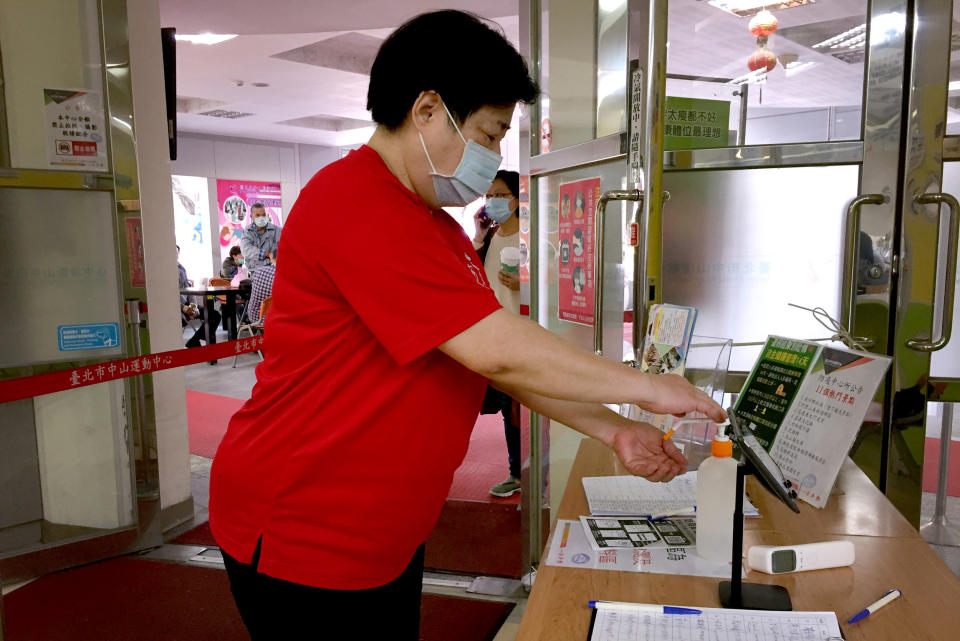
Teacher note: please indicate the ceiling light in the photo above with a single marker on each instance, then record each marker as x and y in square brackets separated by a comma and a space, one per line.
[849, 38]
[752, 78]
[794, 68]
[747, 8]
[953, 86]
[226, 113]
[609, 6]
[206, 38]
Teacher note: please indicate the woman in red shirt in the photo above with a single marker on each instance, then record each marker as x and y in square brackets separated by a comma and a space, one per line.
[379, 348]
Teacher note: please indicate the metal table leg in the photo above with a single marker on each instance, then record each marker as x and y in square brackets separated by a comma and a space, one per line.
[210, 331]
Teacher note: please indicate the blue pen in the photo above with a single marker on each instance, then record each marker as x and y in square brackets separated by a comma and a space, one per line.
[686, 511]
[873, 607]
[641, 607]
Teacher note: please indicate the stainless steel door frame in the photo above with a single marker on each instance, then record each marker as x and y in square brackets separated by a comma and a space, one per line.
[914, 294]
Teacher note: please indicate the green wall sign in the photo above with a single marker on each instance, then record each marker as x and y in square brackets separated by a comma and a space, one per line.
[693, 123]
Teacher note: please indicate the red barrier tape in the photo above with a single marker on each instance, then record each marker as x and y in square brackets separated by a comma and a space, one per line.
[28, 386]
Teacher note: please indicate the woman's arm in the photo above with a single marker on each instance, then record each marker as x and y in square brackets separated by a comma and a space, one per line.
[640, 446]
[517, 354]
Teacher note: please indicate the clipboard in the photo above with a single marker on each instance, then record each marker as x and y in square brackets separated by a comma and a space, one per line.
[760, 461]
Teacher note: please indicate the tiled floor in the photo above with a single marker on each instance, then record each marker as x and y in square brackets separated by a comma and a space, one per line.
[949, 554]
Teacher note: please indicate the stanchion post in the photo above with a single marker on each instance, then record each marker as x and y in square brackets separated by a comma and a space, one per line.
[940, 531]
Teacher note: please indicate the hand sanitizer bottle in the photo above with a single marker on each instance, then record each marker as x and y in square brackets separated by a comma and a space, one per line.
[716, 498]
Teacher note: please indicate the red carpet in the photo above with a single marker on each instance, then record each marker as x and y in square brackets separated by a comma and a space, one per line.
[207, 418]
[129, 598]
[931, 464]
[125, 598]
[476, 537]
[485, 464]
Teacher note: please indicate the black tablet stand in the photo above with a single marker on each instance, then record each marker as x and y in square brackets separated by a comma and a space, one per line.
[735, 593]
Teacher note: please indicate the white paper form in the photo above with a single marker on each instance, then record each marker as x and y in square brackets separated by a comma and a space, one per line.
[636, 496]
[715, 623]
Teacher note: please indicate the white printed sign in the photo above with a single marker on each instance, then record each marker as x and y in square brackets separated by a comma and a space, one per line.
[76, 132]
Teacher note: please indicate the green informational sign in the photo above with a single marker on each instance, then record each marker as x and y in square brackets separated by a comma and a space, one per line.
[772, 386]
[692, 123]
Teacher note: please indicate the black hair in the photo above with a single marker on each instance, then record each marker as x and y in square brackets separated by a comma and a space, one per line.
[511, 179]
[419, 56]
[234, 251]
[255, 205]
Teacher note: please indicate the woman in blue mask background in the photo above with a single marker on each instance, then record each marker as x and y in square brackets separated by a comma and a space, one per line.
[497, 226]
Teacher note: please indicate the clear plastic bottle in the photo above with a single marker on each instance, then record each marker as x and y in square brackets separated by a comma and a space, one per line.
[716, 496]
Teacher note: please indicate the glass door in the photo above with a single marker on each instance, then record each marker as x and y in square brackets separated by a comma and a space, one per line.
[77, 465]
[783, 156]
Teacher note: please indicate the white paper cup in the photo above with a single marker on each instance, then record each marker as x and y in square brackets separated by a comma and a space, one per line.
[510, 259]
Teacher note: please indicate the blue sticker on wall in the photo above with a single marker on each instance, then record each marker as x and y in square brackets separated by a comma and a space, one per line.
[93, 336]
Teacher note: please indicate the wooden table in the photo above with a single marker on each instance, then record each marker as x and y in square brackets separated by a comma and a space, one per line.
[889, 551]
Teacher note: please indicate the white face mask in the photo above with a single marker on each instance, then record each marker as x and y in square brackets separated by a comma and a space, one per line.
[260, 221]
[472, 177]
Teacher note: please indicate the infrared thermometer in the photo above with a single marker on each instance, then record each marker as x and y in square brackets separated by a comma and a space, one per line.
[772, 559]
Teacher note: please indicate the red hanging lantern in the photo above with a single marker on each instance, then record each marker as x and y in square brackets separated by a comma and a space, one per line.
[763, 24]
[762, 59]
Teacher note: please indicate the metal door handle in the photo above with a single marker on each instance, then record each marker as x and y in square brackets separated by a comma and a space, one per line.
[851, 257]
[946, 320]
[599, 254]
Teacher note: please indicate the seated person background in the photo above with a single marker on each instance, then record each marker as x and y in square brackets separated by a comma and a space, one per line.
[232, 264]
[262, 286]
[188, 313]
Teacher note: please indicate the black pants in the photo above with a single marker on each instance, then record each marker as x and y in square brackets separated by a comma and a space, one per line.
[496, 401]
[276, 609]
[200, 334]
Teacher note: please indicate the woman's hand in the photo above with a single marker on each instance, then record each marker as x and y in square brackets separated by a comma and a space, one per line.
[643, 451]
[672, 394]
[509, 280]
[482, 225]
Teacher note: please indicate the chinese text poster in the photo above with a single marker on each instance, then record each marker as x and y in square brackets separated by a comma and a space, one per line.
[575, 250]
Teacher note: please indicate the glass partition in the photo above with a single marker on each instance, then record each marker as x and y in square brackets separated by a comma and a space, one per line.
[60, 267]
[953, 98]
[51, 73]
[582, 71]
[800, 81]
[66, 467]
[562, 252]
[741, 244]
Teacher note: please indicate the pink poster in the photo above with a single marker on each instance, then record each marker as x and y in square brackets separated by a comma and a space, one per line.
[234, 200]
[575, 263]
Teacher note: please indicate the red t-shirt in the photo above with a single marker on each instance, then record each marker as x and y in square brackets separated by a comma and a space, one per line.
[343, 456]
